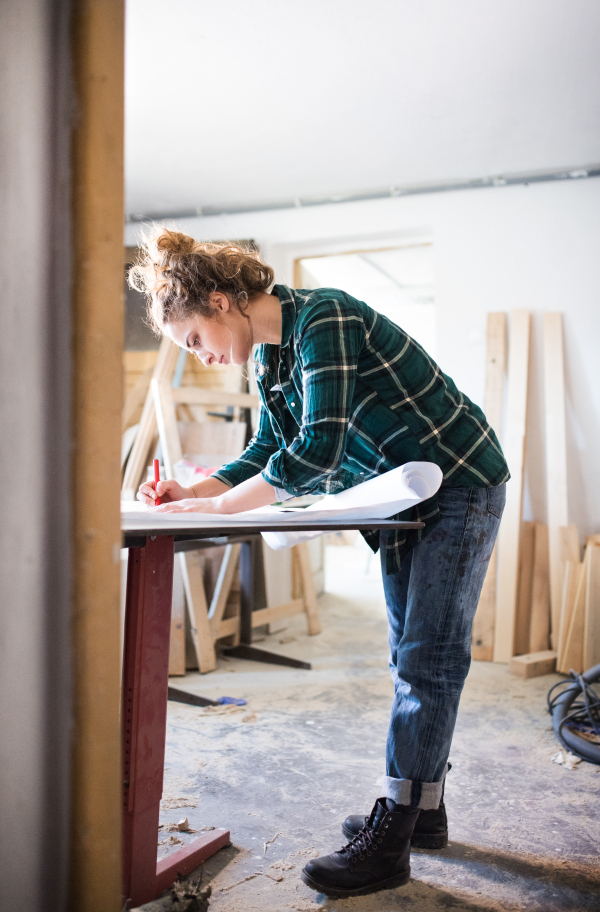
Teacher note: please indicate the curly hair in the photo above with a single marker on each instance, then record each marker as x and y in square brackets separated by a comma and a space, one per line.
[177, 274]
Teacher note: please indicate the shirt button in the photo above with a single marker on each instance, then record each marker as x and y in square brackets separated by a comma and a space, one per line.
[293, 403]
[362, 473]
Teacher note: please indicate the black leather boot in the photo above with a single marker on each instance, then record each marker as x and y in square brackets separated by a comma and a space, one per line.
[430, 832]
[378, 858]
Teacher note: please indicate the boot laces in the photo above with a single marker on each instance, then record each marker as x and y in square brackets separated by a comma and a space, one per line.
[364, 843]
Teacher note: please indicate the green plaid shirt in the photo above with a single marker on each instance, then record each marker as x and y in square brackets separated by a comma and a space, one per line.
[349, 395]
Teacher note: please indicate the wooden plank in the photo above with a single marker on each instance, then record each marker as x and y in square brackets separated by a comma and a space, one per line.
[94, 238]
[556, 457]
[193, 395]
[308, 588]
[166, 419]
[514, 449]
[136, 397]
[177, 639]
[138, 459]
[572, 657]
[269, 615]
[571, 581]
[195, 597]
[539, 631]
[591, 629]
[523, 619]
[227, 572]
[263, 616]
[533, 664]
[570, 556]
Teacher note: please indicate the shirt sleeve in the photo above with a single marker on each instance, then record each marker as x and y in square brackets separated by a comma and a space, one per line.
[256, 455]
[328, 348]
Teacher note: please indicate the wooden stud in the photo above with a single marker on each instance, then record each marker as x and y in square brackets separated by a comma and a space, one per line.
[225, 579]
[556, 457]
[97, 30]
[514, 448]
[572, 657]
[495, 370]
[591, 629]
[138, 459]
[136, 397]
[195, 598]
[570, 557]
[539, 631]
[193, 395]
[533, 664]
[523, 618]
[571, 581]
[308, 588]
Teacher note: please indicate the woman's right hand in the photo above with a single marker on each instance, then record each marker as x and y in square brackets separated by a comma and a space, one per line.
[168, 491]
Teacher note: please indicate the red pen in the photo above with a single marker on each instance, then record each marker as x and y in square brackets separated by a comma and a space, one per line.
[157, 502]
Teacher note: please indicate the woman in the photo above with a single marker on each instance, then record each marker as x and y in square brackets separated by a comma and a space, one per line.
[346, 395]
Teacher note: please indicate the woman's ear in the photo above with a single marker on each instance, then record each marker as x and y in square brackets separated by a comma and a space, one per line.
[219, 301]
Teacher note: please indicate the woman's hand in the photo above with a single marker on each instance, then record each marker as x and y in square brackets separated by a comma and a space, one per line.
[193, 505]
[170, 492]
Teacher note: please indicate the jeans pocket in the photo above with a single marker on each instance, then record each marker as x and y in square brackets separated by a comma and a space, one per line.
[496, 499]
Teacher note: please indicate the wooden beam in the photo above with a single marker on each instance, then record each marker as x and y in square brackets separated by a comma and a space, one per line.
[556, 457]
[514, 448]
[194, 395]
[177, 639]
[591, 628]
[523, 618]
[495, 369]
[571, 559]
[572, 657]
[97, 333]
[533, 664]
[146, 435]
[302, 555]
[539, 628]
[195, 597]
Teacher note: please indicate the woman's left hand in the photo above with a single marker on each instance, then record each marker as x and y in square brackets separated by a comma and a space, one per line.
[191, 505]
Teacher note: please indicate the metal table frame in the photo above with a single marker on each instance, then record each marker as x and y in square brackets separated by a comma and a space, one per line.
[145, 683]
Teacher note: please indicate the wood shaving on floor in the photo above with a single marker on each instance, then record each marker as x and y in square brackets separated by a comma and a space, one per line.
[269, 841]
[171, 803]
[566, 759]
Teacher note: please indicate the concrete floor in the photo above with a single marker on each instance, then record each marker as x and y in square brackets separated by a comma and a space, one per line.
[283, 772]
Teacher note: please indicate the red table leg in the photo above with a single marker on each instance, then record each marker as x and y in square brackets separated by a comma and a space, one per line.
[144, 723]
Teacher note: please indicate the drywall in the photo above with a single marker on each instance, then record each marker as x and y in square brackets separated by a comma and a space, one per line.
[35, 379]
[502, 248]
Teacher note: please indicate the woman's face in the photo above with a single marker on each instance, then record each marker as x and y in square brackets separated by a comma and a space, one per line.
[224, 338]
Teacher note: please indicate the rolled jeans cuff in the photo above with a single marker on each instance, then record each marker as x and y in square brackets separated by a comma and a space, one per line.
[423, 795]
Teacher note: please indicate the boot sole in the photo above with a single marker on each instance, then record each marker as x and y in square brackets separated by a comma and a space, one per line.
[335, 893]
[417, 841]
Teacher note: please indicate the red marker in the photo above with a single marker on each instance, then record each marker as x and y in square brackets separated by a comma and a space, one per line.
[158, 501]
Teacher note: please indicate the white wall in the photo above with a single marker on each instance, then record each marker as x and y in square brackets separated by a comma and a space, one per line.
[534, 247]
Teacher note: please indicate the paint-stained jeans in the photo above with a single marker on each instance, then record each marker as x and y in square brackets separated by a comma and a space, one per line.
[431, 603]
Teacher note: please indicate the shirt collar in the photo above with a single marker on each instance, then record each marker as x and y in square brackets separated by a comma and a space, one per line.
[288, 311]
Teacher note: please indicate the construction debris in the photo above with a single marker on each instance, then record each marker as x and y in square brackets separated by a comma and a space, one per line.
[566, 759]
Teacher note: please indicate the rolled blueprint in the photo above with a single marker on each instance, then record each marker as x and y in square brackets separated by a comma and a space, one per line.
[378, 498]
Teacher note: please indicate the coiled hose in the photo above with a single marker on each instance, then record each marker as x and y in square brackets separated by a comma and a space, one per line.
[575, 711]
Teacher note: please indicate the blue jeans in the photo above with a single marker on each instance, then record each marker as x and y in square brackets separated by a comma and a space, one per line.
[431, 603]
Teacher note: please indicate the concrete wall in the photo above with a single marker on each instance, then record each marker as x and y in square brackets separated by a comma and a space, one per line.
[35, 402]
[534, 247]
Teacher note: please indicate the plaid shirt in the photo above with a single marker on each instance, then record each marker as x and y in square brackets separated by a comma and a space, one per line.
[354, 397]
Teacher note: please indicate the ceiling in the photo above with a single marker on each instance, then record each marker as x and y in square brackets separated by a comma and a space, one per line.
[241, 104]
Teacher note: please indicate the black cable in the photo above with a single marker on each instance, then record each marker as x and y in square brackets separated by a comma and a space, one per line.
[575, 707]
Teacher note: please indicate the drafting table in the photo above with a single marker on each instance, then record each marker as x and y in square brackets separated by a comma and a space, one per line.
[146, 675]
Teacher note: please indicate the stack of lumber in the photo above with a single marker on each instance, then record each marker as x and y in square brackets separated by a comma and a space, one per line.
[540, 604]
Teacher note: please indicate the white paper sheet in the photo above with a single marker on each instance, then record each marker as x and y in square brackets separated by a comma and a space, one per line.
[377, 498]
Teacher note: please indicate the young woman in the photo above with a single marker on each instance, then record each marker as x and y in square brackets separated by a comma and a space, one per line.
[346, 395]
